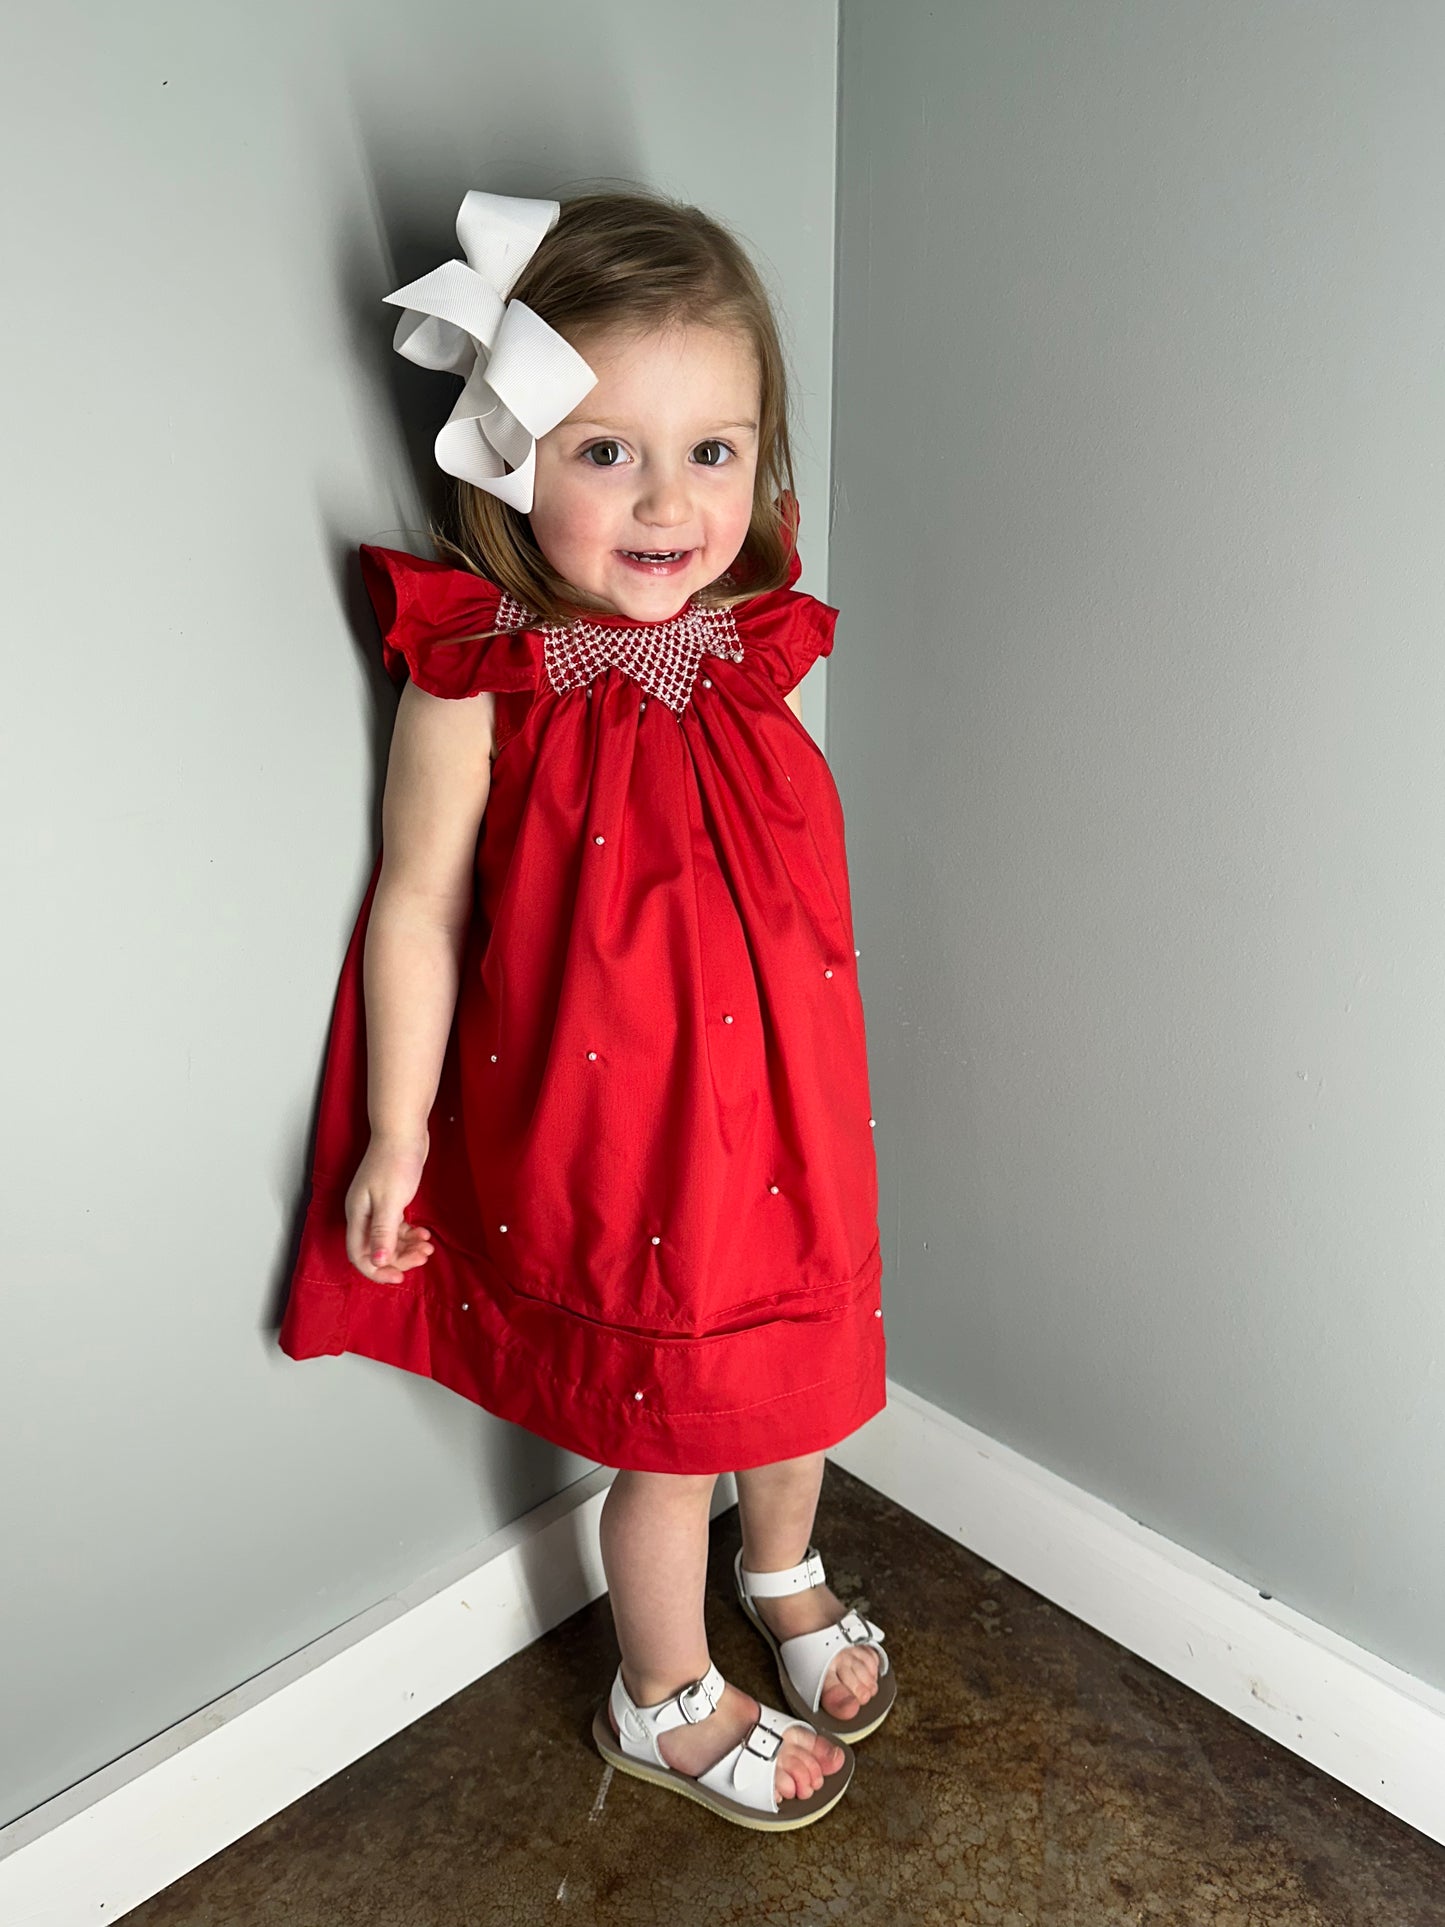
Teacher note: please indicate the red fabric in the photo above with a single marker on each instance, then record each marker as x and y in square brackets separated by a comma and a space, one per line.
[721, 889]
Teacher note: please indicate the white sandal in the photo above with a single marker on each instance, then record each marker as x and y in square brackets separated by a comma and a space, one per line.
[804, 1659]
[740, 1785]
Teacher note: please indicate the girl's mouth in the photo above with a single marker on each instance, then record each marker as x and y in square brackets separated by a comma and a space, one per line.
[656, 562]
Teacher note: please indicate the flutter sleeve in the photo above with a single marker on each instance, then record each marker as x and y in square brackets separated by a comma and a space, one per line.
[438, 627]
[785, 631]
[793, 642]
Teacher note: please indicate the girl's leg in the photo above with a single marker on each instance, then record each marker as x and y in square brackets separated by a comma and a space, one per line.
[654, 1534]
[777, 1505]
[654, 1539]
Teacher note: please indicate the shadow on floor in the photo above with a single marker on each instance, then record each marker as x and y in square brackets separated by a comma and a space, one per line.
[1032, 1774]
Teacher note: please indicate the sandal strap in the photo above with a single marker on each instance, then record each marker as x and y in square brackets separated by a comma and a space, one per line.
[639, 1726]
[772, 1585]
[748, 1772]
[806, 1657]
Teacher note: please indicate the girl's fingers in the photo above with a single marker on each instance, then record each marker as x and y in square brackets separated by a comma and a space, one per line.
[417, 1247]
[390, 1246]
[384, 1226]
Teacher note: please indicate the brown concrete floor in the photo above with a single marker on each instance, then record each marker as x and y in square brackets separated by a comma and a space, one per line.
[1032, 1774]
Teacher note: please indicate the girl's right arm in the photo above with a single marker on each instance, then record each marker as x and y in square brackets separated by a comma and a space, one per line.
[438, 778]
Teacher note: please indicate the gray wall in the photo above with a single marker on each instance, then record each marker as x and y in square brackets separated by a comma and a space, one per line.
[1136, 710]
[205, 207]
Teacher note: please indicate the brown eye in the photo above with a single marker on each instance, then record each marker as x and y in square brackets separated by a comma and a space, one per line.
[714, 464]
[592, 450]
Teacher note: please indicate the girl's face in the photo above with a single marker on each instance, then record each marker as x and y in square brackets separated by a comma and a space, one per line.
[660, 455]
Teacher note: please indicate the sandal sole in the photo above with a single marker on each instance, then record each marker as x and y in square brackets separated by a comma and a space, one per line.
[869, 1717]
[791, 1814]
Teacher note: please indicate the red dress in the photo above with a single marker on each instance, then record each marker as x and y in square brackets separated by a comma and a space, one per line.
[651, 1181]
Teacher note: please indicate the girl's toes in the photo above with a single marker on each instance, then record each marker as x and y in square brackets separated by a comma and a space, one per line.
[798, 1773]
[853, 1684]
[840, 1700]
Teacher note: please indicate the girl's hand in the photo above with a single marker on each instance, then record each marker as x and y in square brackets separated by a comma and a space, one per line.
[380, 1242]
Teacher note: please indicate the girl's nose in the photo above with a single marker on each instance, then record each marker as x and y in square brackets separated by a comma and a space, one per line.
[662, 503]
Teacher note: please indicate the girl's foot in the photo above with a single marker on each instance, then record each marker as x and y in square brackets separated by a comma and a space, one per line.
[803, 1759]
[852, 1676]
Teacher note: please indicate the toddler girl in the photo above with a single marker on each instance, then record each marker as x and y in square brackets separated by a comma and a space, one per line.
[595, 1145]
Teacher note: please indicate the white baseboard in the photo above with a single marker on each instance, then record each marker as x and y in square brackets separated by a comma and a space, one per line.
[1355, 1716]
[137, 1826]
[129, 1831]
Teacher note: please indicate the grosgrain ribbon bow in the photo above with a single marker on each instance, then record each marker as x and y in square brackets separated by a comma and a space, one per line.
[521, 377]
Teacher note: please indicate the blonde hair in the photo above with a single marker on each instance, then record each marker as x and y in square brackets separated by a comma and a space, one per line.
[637, 262]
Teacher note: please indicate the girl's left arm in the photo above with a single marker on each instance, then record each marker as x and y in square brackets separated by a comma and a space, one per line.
[794, 700]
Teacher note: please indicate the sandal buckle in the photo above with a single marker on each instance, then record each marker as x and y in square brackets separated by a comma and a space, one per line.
[694, 1701]
[774, 1741]
[854, 1629]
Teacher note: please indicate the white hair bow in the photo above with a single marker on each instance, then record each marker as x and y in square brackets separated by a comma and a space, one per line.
[521, 377]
